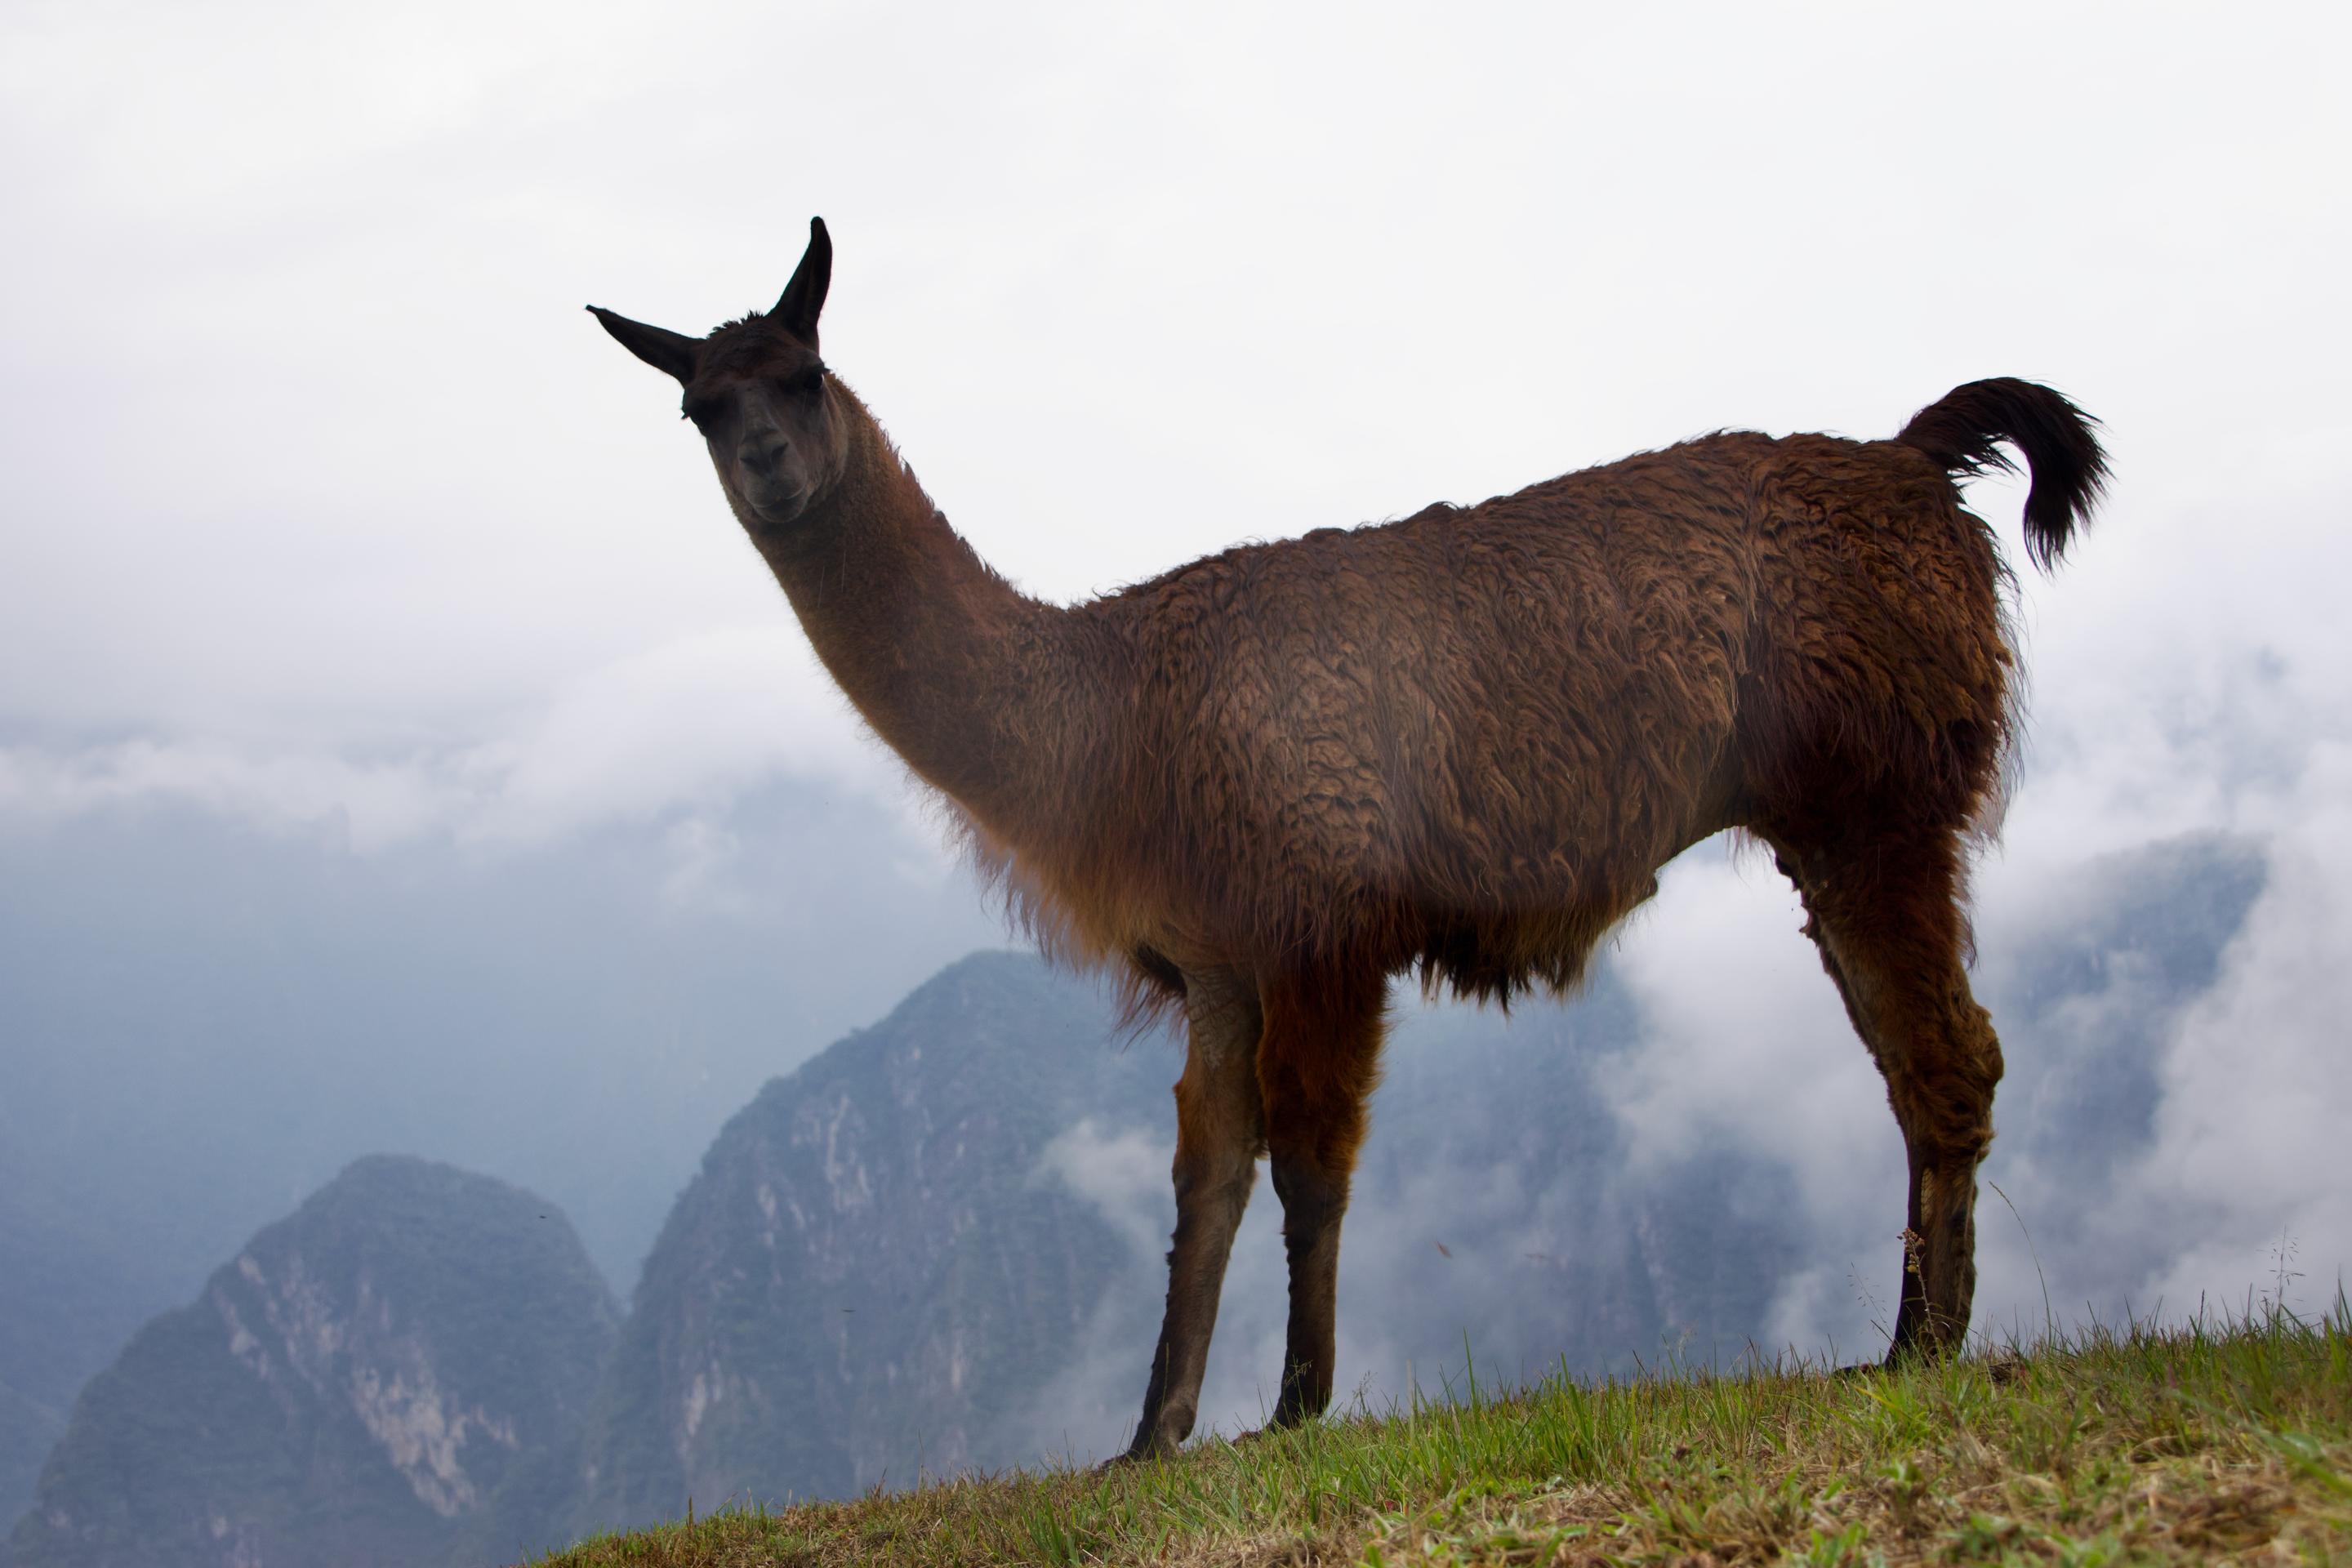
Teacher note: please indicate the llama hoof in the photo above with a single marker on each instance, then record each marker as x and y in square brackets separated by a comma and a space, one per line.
[1136, 1454]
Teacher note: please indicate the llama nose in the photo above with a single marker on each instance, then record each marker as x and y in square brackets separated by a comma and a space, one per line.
[760, 453]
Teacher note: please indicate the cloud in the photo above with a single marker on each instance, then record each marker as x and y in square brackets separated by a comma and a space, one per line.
[2257, 1079]
[356, 466]
[1086, 1410]
[691, 723]
[684, 728]
[1122, 1173]
[1743, 1037]
[371, 804]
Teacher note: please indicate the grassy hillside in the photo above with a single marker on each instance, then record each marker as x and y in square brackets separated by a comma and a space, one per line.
[2196, 1445]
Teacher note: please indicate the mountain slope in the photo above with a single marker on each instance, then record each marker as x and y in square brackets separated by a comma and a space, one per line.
[868, 1269]
[388, 1376]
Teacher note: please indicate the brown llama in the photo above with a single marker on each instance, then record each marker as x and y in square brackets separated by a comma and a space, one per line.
[1260, 786]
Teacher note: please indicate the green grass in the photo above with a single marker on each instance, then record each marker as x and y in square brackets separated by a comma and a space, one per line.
[2211, 1443]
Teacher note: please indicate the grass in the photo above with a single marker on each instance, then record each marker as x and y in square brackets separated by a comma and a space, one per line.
[2212, 1443]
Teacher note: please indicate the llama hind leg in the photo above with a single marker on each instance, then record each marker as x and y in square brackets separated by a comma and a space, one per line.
[1220, 1132]
[1891, 933]
[1316, 1070]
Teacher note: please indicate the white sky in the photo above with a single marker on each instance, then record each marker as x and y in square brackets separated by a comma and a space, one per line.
[319, 492]
[309, 443]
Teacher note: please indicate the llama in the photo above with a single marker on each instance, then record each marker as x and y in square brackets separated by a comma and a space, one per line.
[1259, 786]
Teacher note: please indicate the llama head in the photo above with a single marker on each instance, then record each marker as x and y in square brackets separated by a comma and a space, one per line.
[756, 389]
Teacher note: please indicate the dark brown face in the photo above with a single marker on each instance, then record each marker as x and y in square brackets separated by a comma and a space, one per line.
[759, 394]
[766, 415]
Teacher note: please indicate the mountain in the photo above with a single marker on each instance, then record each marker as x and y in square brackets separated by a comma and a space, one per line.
[869, 1270]
[395, 1374]
[209, 1012]
[937, 1246]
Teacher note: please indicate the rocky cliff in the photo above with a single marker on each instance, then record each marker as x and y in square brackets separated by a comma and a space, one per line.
[395, 1374]
[872, 1267]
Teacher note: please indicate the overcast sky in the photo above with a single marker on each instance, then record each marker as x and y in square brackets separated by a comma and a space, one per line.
[326, 504]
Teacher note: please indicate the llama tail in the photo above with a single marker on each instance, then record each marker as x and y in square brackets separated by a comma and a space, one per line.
[1963, 431]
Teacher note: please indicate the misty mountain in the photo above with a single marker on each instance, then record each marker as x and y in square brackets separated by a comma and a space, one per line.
[937, 1245]
[1497, 1138]
[204, 1018]
[236, 1011]
[2086, 996]
[872, 1267]
[2133, 936]
[395, 1374]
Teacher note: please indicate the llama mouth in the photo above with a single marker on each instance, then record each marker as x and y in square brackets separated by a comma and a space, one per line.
[781, 502]
[781, 509]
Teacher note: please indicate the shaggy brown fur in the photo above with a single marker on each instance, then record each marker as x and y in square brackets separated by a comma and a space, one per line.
[1462, 744]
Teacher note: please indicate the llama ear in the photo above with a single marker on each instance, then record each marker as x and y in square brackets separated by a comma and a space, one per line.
[803, 297]
[665, 351]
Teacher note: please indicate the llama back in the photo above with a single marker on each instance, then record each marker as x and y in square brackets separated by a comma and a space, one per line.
[1472, 734]
[1476, 718]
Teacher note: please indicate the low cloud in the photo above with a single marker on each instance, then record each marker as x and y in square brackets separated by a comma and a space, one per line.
[691, 722]
[371, 804]
[1122, 1172]
[2257, 1080]
[682, 730]
[1743, 1035]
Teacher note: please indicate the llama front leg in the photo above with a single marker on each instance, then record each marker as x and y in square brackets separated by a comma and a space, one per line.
[1317, 1071]
[1220, 1132]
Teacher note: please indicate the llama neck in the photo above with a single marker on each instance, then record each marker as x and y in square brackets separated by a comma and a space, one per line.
[979, 688]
